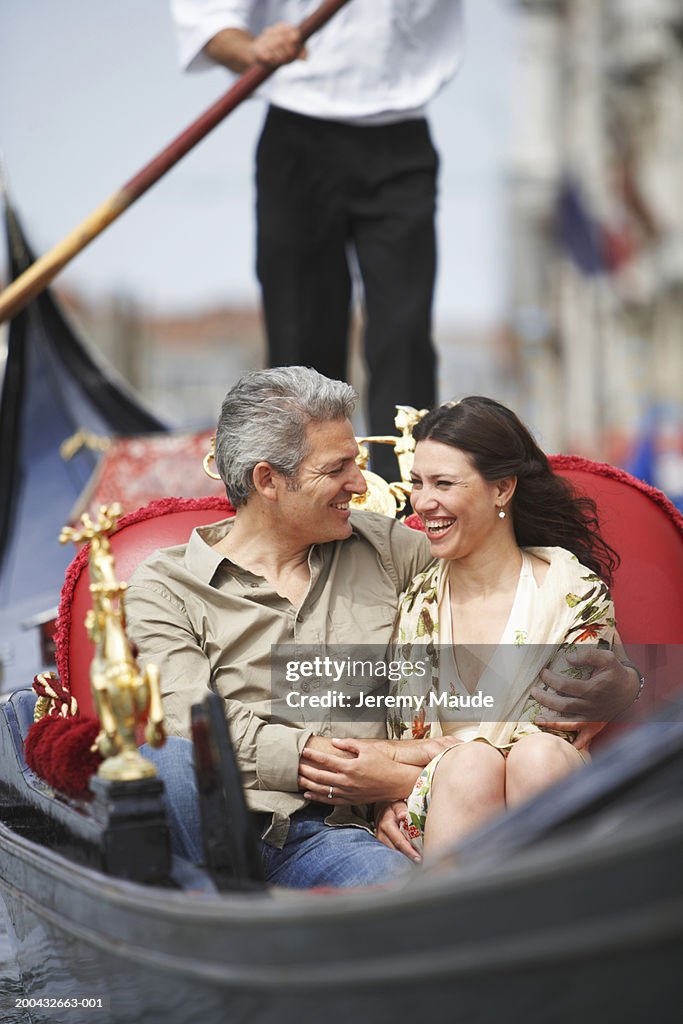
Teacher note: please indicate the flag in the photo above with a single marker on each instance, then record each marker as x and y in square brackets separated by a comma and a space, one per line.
[580, 234]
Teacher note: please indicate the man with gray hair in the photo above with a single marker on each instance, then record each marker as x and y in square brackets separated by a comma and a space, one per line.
[294, 566]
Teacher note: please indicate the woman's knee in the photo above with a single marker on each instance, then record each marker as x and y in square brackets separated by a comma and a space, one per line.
[472, 767]
[538, 760]
[542, 748]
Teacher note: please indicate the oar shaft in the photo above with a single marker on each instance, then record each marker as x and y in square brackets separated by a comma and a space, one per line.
[39, 274]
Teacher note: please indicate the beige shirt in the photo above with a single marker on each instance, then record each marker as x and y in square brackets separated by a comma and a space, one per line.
[209, 624]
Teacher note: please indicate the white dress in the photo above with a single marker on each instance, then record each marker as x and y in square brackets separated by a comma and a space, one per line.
[571, 606]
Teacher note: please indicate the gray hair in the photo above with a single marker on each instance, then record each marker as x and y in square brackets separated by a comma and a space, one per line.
[264, 418]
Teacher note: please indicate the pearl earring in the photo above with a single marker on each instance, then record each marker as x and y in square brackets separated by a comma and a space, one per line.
[501, 513]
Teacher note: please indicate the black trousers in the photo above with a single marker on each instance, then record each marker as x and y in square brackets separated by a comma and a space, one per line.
[325, 189]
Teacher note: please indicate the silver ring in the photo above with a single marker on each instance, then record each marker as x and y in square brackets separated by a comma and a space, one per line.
[330, 793]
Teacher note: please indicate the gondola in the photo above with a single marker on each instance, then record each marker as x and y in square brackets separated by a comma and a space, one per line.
[575, 898]
[575, 901]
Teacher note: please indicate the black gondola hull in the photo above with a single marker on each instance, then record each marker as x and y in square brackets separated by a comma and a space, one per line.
[587, 919]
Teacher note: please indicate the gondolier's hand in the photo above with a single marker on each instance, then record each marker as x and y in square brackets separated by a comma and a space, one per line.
[278, 44]
[388, 817]
[240, 51]
[585, 706]
[353, 772]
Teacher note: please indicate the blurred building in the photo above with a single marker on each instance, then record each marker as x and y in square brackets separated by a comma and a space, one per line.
[182, 364]
[597, 221]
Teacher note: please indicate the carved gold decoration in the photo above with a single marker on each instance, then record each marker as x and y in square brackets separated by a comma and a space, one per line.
[124, 698]
[83, 439]
[379, 496]
[389, 498]
[208, 459]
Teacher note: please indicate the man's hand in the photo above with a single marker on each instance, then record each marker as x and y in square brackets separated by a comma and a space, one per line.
[356, 772]
[278, 44]
[388, 817]
[585, 706]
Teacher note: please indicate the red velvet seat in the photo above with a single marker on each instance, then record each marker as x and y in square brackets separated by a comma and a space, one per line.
[639, 522]
[646, 530]
[158, 525]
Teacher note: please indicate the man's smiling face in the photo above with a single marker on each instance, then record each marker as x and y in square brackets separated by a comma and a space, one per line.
[315, 504]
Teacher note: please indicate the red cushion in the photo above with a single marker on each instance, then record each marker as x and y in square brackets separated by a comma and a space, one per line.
[646, 531]
[159, 524]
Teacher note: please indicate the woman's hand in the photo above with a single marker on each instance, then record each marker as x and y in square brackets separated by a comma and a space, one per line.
[388, 818]
[363, 772]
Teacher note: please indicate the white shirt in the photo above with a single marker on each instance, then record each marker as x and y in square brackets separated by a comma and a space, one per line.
[374, 62]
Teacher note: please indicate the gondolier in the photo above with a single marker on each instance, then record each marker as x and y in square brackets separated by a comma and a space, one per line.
[345, 160]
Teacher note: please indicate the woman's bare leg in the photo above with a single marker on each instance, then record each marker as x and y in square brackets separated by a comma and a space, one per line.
[535, 762]
[468, 788]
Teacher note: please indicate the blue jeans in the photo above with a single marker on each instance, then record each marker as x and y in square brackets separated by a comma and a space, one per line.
[175, 765]
[315, 854]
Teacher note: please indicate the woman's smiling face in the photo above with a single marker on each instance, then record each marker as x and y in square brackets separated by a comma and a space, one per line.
[459, 509]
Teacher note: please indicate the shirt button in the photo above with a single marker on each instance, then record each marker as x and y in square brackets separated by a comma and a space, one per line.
[299, 617]
[254, 584]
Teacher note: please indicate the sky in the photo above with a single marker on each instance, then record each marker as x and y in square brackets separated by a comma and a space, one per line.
[90, 91]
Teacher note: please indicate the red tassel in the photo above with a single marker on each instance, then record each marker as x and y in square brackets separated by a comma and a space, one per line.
[58, 750]
[39, 745]
[33, 742]
[73, 760]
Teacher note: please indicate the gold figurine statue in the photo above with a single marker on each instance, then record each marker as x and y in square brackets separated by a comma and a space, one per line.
[124, 697]
[390, 498]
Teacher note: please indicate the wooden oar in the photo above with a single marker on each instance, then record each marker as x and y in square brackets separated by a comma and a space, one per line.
[40, 273]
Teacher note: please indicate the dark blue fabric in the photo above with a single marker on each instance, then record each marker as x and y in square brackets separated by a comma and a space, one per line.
[579, 234]
[52, 386]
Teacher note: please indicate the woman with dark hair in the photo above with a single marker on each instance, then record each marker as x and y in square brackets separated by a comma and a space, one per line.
[520, 578]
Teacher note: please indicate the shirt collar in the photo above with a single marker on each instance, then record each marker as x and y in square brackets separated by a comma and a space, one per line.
[202, 559]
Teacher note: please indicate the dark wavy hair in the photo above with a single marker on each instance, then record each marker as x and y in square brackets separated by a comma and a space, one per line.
[546, 510]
